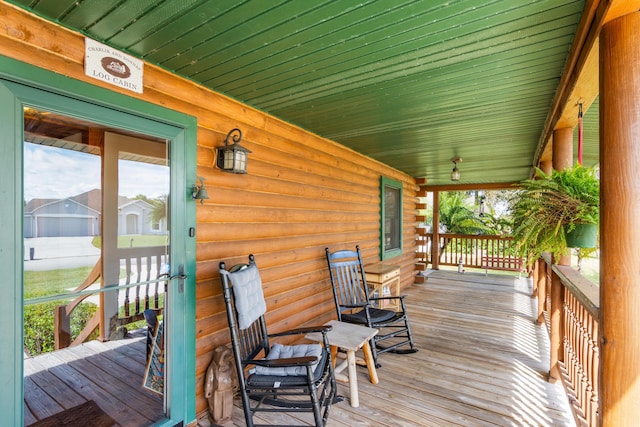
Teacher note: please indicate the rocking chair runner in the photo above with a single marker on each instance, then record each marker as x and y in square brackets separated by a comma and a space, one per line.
[296, 378]
[354, 305]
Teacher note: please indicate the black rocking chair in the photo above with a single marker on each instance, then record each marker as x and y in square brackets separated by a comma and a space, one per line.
[354, 305]
[274, 378]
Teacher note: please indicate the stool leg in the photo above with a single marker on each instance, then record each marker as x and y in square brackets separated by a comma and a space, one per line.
[371, 365]
[353, 378]
[334, 355]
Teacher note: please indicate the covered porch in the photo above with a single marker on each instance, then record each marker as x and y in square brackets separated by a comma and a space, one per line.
[326, 127]
[483, 360]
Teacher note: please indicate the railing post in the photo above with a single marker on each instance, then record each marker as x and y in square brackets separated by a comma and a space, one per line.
[542, 289]
[534, 276]
[557, 327]
[61, 327]
[435, 230]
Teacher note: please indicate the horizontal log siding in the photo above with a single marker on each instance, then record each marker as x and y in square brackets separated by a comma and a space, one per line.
[301, 193]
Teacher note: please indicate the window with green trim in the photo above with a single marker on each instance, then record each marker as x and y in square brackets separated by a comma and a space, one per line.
[390, 218]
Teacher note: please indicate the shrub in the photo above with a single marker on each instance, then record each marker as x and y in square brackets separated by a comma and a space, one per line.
[39, 328]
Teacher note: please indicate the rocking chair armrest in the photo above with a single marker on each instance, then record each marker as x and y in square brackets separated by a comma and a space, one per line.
[283, 363]
[303, 331]
[390, 297]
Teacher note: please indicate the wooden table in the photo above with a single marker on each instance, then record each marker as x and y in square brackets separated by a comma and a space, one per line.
[350, 338]
[384, 280]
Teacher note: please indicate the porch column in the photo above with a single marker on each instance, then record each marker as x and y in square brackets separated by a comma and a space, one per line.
[562, 148]
[541, 289]
[562, 158]
[546, 166]
[435, 232]
[619, 221]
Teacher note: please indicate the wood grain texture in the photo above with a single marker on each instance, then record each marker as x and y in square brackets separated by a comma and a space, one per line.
[619, 231]
[109, 373]
[302, 192]
[482, 361]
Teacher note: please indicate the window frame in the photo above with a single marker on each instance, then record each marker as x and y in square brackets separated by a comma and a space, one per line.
[385, 185]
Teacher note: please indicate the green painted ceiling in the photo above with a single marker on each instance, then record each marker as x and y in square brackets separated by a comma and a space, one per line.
[410, 83]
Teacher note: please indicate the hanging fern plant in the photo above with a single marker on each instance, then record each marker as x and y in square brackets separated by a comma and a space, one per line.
[544, 209]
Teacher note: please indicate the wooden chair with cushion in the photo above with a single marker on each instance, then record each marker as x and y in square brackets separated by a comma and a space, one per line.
[274, 377]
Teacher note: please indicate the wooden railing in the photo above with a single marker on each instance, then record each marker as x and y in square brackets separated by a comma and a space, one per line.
[568, 304]
[475, 251]
[138, 265]
[142, 265]
[575, 334]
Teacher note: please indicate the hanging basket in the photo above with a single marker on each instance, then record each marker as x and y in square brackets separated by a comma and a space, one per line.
[582, 236]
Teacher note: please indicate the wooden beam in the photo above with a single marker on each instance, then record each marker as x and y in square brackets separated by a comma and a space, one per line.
[467, 187]
[579, 82]
[583, 42]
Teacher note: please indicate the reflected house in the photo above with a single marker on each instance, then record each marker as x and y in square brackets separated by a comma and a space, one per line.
[80, 216]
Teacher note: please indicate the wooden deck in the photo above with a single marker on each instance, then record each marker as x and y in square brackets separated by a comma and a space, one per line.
[482, 362]
[108, 373]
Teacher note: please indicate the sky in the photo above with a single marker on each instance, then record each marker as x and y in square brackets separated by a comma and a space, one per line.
[55, 173]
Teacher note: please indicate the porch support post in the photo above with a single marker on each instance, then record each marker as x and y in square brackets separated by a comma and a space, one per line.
[541, 289]
[557, 327]
[546, 166]
[435, 232]
[562, 148]
[619, 221]
[534, 274]
[562, 159]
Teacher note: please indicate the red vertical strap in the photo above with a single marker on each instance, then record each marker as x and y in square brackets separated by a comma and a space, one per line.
[580, 135]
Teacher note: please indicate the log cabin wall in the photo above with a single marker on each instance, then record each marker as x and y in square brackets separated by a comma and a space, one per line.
[301, 193]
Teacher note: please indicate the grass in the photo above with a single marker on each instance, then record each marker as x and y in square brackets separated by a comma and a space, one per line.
[51, 282]
[135, 241]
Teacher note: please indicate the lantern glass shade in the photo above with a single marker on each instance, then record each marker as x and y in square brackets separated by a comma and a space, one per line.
[233, 158]
[455, 174]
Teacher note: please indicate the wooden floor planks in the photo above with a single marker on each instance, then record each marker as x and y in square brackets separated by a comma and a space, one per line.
[109, 373]
[482, 362]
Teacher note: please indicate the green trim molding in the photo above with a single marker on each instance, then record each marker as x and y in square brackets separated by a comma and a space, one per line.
[23, 84]
[391, 230]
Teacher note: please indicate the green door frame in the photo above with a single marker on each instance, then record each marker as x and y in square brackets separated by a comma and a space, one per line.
[22, 84]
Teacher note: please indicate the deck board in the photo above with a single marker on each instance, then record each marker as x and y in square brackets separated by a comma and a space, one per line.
[482, 361]
[109, 373]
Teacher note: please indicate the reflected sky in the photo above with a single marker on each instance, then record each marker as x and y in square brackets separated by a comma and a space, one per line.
[54, 173]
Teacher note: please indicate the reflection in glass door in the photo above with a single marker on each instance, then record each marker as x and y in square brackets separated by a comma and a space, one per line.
[96, 244]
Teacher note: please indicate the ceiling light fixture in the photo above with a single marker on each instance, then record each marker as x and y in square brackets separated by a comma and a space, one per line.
[455, 173]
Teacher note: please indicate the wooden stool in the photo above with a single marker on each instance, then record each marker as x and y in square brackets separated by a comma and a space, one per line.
[350, 338]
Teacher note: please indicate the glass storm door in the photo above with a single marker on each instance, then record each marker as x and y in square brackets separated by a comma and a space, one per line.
[96, 239]
[93, 193]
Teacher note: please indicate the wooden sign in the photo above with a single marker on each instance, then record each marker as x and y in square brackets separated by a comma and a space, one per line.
[112, 66]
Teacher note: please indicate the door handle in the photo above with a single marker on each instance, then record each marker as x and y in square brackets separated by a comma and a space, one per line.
[181, 276]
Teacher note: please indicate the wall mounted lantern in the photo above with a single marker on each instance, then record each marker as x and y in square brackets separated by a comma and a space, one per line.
[198, 192]
[233, 158]
[455, 173]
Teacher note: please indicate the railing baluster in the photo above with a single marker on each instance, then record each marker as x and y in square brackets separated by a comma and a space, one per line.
[581, 337]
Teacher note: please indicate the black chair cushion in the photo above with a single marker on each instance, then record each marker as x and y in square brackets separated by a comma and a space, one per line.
[262, 381]
[377, 316]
